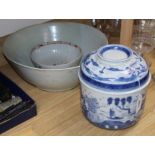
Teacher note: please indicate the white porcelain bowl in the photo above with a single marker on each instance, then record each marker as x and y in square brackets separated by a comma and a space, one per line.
[19, 45]
[56, 55]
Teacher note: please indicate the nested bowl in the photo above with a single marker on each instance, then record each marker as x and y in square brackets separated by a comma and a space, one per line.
[56, 55]
[19, 45]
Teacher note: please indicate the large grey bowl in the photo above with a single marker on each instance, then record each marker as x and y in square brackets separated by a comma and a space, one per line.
[19, 45]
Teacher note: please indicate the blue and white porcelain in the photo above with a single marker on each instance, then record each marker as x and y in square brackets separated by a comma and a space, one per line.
[114, 81]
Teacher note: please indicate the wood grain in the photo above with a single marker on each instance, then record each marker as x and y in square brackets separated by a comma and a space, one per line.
[126, 32]
[60, 113]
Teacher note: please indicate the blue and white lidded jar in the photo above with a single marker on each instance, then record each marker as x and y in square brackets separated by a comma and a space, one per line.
[113, 86]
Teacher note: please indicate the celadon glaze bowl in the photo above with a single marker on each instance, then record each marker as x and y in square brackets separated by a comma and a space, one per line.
[114, 81]
[56, 55]
[19, 45]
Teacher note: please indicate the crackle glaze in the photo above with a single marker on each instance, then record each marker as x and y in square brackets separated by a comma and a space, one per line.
[113, 86]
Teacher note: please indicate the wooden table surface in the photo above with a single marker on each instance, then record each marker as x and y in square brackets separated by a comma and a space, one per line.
[60, 113]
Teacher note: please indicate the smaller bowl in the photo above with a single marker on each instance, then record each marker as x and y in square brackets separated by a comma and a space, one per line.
[56, 55]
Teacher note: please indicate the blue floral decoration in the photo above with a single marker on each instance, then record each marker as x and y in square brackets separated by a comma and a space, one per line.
[91, 104]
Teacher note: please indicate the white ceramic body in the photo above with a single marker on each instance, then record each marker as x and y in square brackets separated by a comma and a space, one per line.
[18, 46]
[112, 110]
[45, 79]
[56, 55]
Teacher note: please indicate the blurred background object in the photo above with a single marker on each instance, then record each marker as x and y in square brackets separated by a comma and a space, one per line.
[143, 37]
[111, 27]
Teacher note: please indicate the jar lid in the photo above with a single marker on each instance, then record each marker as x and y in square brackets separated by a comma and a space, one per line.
[114, 67]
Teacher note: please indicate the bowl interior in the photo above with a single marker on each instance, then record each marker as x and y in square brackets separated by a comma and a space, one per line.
[18, 46]
[56, 55]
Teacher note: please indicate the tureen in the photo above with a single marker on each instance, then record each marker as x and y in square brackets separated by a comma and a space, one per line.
[113, 86]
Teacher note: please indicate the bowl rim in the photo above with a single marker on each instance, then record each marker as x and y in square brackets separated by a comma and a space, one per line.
[49, 23]
[62, 66]
[114, 92]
